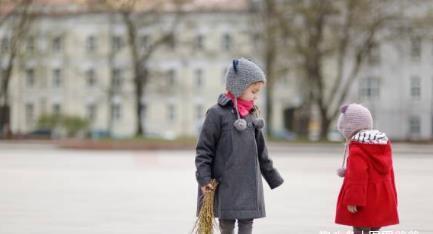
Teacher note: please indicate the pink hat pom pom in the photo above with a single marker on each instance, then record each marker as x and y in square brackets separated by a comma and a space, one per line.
[341, 172]
[343, 108]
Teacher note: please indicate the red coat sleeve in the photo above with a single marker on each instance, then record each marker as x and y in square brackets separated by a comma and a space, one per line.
[393, 185]
[389, 151]
[356, 179]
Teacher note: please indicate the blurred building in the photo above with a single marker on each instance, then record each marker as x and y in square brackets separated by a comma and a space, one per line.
[78, 63]
[397, 86]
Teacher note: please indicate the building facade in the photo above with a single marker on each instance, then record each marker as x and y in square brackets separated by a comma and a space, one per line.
[79, 64]
[398, 87]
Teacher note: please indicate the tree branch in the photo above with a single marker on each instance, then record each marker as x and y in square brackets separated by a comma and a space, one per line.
[361, 53]
[342, 50]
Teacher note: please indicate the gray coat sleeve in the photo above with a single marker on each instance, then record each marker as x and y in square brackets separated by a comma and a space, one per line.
[206, 147]
[271, 175]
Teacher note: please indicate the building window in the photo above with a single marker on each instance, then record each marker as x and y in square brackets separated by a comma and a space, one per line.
[172, 42]
[199, 78]
[90, 77]
[199, 43]
[30, 44]
[374, 55]
[91, 43]
[171, 77]
[57, 109]
[116, 111]
[431, 126]
[29, 110]
[414, 125]
[171, 110]
[116, 43]
[30, 77]
[416, 45]
[57, 44]
[116, 75]
[91, 112]
[57, 78]
[255, 38]
[199, 110]
[43, 105]
[227, 41]
[4, 44]
[370, 87]
[144, 41]
[415, 87]
[144, 111]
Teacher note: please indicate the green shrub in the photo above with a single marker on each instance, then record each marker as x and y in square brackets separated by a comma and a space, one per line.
[69, 124]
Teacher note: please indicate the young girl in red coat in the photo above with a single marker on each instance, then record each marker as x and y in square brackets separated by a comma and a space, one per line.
[368, 197]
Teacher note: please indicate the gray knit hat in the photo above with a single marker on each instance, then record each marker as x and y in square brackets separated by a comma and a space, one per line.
[242, 73]
[354, 117]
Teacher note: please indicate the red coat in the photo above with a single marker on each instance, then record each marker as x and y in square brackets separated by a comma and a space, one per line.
[368, 184]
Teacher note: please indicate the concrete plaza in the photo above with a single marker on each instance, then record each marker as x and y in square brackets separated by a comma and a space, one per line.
[52, 191]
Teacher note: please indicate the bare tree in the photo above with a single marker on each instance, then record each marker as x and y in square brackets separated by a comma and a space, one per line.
[337, 32]
[270, 55]
[266, 34]
[135, 15]
[17, 21]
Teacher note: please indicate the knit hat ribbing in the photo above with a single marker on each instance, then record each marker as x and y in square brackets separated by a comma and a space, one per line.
[354, 117]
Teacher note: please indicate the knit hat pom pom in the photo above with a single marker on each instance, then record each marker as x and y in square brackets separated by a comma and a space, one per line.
[240, 124]
[343, 109]
[259, 123]
[341, 172]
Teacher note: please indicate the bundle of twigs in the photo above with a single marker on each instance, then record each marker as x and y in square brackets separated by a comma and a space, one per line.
[205, 223]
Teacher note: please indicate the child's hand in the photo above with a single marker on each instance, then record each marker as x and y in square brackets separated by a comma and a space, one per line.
[207, 188]
[352, 209]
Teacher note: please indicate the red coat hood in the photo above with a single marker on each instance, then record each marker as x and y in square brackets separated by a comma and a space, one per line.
[379, 156]
[377, 147]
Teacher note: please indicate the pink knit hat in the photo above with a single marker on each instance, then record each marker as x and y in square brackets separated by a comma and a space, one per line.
[353, 117]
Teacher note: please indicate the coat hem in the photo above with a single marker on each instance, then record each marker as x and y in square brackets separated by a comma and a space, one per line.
[237, 214]
[367, 224]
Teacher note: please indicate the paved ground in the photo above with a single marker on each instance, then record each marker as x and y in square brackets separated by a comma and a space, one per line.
[50, 191]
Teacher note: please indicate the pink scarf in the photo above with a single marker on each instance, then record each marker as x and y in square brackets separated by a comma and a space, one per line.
[244, 107]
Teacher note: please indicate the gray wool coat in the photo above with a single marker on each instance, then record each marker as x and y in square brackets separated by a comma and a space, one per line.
[237, 160]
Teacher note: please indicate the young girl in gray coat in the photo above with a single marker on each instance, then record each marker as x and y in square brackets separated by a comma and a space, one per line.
[231, 148]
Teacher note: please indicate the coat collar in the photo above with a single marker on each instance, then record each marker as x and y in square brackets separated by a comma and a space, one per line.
[223, 100]
[371, 137]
